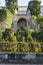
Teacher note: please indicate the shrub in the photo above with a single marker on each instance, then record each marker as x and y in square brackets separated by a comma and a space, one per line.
[29, 36]
[8, 35]
[0, 36]
[8, 46]
[38, 36]
[37, 47]
[25, 47]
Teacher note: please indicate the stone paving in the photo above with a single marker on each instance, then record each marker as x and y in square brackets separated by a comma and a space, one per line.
[21, 64]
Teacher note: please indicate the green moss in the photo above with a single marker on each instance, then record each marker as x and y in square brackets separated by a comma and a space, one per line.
[9, 18]
[6, 18]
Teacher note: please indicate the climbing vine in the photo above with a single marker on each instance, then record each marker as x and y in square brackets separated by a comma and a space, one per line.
[11, 6]
[3, 15]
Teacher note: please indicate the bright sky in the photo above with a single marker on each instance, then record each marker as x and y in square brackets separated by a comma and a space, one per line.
[25, 2]
[2, 2]
[20, 2]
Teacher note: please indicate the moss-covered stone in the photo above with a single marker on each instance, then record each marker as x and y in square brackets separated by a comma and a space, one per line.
[6, 23]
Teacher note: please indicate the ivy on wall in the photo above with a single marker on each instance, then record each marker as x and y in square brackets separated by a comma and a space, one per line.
[3, 15]
[7, 13]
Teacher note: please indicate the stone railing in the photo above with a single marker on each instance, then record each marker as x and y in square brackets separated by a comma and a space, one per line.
[21, 51]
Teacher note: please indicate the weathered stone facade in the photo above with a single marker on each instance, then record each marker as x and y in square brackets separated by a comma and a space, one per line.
[41, 10]
[22, 18]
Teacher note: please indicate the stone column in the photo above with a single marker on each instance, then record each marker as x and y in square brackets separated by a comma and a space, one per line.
[14, 22]
[28, 25]
[15, 25]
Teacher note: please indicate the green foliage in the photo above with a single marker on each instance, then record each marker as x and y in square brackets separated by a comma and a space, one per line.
[31, 45]
[8, 19]
[11, 5]
[6, 13]
[29, 36]
[21, 47]
[19, 37]
[34, 7]
[26, 34]
[8, 47]
[40, 21]
[38, 36]
[3, 15]
[37, 47]
[34, 17]
[20, 34]
[25, 47]
[0, 36]
[8, 41]
[8, 35]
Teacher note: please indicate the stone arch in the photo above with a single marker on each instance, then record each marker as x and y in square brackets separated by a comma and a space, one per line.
[22, 23]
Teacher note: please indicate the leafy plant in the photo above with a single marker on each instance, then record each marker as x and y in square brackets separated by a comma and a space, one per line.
[3, 15]
[40, 21]
[38, 36]
[34, 7]
[29, 36]
[8, 35]
[25, 47]
[37, 47]
[11, 5]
